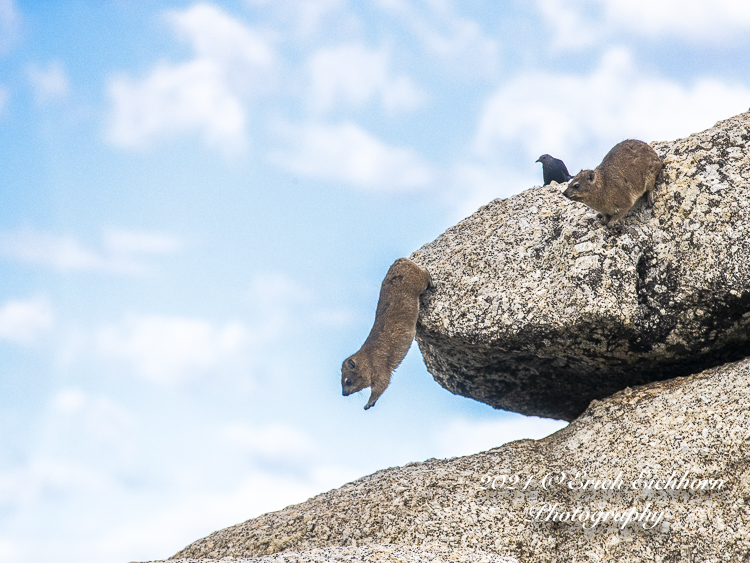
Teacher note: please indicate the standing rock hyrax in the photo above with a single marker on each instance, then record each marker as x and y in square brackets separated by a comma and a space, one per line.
[627, 172]
[391, 335]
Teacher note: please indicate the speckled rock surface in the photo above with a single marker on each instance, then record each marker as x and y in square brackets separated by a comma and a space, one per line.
[693, 430]
[374, 553]
[539, 308]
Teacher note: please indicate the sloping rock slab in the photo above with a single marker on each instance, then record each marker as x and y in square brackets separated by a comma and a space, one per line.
[374, 553]
[539, 308]
[687, 438]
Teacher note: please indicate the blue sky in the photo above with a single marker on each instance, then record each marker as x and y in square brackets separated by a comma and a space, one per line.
[200, 199]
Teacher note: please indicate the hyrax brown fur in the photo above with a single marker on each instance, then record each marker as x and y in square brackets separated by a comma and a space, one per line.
[627, 172]
[391, 335]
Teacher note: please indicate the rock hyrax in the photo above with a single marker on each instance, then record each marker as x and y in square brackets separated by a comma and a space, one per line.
[627, 172]
[391, 335]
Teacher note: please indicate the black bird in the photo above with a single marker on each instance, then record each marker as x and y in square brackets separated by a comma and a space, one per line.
[553, 169]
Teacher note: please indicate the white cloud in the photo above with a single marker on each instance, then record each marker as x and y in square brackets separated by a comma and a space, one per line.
[41, 480]
[121, 251]
[173, 349]
[464, 437]
[10, 24]
[168, 350]
[353, 76]
[458, 42]
[216, 35]
[90, 428]
[580, 23]
[558, 113]
[476, 184]
[308, 19]
[272, 441]
[121, 241]
[24, 321]
[70, 495]
[99, 418]
[173, 101]
[152, 519]
[11, 551]
[278, 302]
[50, 82]
[180, 516]
[272, 289]
[281, 305]
[207, 95]
[59, 252]
[349, 154]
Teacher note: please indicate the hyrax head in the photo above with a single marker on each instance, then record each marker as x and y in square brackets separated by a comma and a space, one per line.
[354, 375]
[582, 186]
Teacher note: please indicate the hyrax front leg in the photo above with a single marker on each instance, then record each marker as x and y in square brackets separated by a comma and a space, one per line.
[377, 388]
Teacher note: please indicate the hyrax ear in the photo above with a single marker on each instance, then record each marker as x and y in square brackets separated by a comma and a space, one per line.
[350, 364]
[591, 175]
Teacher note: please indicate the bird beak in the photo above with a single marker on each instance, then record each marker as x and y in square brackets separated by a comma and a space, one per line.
[537, 160]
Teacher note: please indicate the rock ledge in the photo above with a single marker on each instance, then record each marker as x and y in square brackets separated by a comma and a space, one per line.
[539, 308]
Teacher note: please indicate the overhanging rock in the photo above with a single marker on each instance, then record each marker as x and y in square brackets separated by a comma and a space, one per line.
[538, 308]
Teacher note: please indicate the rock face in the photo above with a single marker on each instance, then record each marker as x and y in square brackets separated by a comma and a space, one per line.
[673, 455]
[539, 308]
